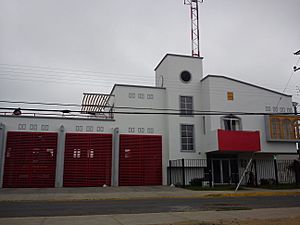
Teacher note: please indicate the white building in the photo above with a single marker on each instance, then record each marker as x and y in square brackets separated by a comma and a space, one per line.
[183, 116]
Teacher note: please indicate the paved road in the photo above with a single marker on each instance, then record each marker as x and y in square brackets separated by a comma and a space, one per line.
[106, 207]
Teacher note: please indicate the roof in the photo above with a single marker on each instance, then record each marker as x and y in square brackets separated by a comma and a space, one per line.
[242, 82]
[136, 86]
[176, 55]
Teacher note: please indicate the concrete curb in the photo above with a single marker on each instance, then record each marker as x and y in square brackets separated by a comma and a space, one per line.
[137, 196]
[178, 218]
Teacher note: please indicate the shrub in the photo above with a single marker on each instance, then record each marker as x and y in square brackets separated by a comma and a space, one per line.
[269, 181]
[197, 181]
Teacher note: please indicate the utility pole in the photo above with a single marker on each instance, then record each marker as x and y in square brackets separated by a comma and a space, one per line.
[195, 31]
[295, 105]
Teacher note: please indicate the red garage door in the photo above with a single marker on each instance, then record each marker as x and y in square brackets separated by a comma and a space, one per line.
[30, 159]
[87, 160]
[140, 160]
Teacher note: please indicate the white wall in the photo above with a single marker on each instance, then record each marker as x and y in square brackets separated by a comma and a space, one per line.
[247, 98]
[170, 69]
[34, 124]
[142, 99]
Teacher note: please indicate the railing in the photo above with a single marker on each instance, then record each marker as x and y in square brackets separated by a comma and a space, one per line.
[261, 172]
[182, 171]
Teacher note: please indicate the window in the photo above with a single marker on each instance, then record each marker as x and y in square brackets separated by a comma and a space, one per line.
[287, 128]
[231, 123]
[186, 105]
[187, 137]
[185, 76]
[283, 128]
[275, 128]
[229, 95]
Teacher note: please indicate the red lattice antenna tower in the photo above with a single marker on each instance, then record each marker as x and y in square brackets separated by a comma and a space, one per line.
[194, 26]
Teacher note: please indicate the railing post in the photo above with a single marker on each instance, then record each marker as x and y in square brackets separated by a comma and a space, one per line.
[211, 174]
[297, 171]
[255, 172]
[183, 173]
[170, 172]
[276, 170]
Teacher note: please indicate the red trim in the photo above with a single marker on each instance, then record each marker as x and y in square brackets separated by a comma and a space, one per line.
[242, 141]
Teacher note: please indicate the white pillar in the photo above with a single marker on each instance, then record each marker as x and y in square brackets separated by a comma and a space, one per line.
[60, 155]
[115, 158]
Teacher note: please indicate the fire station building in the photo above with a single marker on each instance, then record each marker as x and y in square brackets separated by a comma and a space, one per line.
[128, 136]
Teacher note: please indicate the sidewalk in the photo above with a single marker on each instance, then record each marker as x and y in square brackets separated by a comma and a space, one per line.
[119, 193]
[182, 218]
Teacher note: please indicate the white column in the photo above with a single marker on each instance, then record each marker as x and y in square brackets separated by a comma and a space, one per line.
[60, 155]
[115, 158]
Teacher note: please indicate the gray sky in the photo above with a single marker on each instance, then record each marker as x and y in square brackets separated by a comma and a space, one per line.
[54, 50]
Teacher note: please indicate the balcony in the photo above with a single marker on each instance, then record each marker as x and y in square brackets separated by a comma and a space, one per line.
[242, 141]
[234, 141]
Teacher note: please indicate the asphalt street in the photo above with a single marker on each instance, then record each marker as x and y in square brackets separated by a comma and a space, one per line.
[107, 207]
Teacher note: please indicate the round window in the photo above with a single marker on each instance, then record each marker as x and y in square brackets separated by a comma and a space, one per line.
[185, 76]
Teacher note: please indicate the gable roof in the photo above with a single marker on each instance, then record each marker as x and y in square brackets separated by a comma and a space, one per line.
[245, 83]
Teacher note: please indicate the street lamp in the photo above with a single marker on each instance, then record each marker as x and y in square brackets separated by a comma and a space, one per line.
[295, 67]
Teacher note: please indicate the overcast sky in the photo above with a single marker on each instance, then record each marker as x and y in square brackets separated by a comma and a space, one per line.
[54, 50]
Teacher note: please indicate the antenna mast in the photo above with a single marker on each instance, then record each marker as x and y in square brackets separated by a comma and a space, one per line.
[194, 26]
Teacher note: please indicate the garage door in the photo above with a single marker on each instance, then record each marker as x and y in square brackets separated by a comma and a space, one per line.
[30, 159]
[140, 160]
[87, 160]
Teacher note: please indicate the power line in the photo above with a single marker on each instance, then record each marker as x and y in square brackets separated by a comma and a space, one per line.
[71, 75]
[211, 113]
[292, 73]
[100, 106]
[68, 71]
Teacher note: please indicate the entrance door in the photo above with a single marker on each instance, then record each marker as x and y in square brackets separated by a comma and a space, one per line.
[87, 160]
[30, 160]
[140, 160]
[223, 171]
[217, 171]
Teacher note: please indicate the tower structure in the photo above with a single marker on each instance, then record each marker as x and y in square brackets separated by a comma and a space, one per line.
[194, 4]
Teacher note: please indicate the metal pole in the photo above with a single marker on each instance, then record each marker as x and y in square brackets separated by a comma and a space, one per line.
[183, 173]
[255, 172]
[276, 170]
[243, 176]
[295, 104]
[170, 171]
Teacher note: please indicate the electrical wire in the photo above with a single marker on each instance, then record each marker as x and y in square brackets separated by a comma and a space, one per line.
[107, 106]
[212, 113]
[70, 71]
[292, 73]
